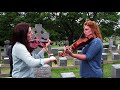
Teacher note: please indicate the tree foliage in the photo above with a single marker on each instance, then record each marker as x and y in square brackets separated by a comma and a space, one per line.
[60, 24]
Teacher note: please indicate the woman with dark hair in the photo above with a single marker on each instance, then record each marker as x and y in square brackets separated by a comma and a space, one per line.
[91, 57]
[23, 61]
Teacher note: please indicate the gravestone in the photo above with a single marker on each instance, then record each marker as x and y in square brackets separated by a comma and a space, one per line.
[105, 50]
[118, 47]
[113, 47]
[62, 61]
[114, 40]
[40, 31]
[44, 35]
[66, 42]
[59, 52]
[106, 45]
[79, 51]
[104, 56]
[76, 61]
[38, 49]
[49, 49]
[115, 56]
[55, 51]
[7, 43]
[116, 71]
[43, 72]
[50, 64]
[67, 75]
[6, 60]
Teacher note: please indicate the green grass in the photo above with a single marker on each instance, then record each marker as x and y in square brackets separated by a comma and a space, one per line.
[107, 71]
[57, 71]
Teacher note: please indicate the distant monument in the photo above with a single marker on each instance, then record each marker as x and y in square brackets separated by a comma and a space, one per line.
[111, 43]
[7, 43]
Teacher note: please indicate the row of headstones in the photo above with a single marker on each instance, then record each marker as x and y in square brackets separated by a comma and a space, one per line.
[112, 42]
[4, 55]
[45, 71]
[62, 43]
[54, 50]
[115, 56]
[113, 48]
[105, 50]
[63, 60]
[115, 67]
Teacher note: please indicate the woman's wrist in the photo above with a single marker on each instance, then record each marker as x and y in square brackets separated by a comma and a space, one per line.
[50, 60]
[73, 55]
[44, 49]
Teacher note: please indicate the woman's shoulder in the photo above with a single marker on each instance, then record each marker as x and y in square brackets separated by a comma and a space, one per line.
[97, 40]
[19, 45]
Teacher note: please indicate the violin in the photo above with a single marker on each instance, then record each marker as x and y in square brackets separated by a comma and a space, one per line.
[79, 43]
[35, 43]
[39, 42]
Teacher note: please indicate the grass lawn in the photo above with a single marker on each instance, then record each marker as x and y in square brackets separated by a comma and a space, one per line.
[107, 71]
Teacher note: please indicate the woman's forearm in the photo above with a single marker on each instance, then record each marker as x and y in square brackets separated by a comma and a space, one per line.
[79, 56]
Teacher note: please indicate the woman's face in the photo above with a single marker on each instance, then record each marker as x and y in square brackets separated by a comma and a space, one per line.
[87, 31]
[29, 34]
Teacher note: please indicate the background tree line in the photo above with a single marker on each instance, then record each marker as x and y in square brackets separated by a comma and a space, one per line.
[60, 25]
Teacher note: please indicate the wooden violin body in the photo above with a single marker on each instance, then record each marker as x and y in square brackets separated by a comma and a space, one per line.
[79, 43]
[36, 43]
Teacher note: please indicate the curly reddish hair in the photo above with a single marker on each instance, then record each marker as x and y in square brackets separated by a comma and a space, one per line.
[94, 26]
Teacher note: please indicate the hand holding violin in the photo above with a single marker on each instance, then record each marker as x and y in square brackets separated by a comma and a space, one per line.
[53, 59]
[68, 50]
[48, 43]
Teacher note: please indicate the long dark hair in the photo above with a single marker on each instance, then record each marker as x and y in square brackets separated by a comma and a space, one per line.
[20, 34]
